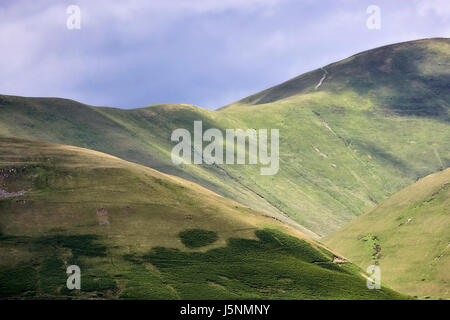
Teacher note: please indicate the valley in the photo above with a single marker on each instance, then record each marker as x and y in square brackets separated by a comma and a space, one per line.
[136, 233]
[361, 179]
[387, 109]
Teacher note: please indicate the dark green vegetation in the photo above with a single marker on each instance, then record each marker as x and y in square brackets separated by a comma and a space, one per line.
[378, 122]
[408, 236]
[196, 238]
[275, 266]
[44, 275]
[121, 223]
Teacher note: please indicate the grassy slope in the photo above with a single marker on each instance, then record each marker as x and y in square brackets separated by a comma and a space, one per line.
[411, 230]
[380, 117]
[140, 135]
[139, 253]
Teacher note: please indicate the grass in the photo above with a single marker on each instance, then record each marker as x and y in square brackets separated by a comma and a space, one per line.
[19, 281]
[80, 245]
[381, 117]
[407, 236]
[275, 266]
[196, 238]
[166, 238]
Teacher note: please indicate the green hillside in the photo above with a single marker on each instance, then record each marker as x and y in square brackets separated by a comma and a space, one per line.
[137, 233]
[377, 122]
[408, 236]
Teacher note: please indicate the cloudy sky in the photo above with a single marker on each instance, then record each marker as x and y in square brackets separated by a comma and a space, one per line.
[204, 52]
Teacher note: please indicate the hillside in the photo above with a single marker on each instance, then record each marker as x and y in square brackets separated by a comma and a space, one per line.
[377, 122]
[407, 236]
[137, 233]
[409, 78]
[141, 136]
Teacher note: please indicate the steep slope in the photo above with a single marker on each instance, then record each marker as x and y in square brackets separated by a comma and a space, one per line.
[408, 236]
[409, 78]
[377, 122]
[140, 135]
[137, 233]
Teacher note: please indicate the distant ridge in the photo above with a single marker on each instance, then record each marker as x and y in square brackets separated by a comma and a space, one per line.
[377, 123]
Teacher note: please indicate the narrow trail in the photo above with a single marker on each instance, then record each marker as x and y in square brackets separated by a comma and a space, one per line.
[437, 156]
[6, 194]
[322, 79]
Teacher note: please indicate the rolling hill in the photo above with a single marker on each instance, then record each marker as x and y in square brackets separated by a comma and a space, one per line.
[351, 134]
[137, 233]
[407, 236]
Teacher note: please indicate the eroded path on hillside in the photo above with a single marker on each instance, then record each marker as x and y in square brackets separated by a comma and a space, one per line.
[325, 73]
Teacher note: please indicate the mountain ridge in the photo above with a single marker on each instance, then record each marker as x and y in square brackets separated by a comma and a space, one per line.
[136, 233]
[306, 85]
[344, 147]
